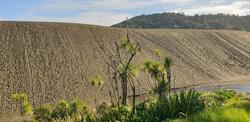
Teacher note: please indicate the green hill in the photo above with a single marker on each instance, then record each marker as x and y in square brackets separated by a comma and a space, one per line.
[181, 21]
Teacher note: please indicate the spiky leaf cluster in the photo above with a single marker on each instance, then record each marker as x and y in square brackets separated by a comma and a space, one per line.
[155, 69]
[126, 44]
[131, 71]
[97, 81]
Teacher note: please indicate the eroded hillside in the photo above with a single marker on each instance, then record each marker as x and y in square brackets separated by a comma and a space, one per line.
[52, 61]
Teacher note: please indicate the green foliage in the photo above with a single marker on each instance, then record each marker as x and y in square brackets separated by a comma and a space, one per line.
[77, 107]
[223, 95]
[20, 97]
[158, 72]
[158, 52]
[97, 81]
[155, 69]
[43, 113]
[180, 21]
[76, 111]
[61, 109]
[114, 114]
[27, 110]
[222, 115]
[161, 73]
[89, 118]
[176, 105]
[168, 62]
[126, 70]
[132, 70]
[219, 97]
[73, 110]
[187, 106]
[246, 105]
[126, 44]
[235, 109]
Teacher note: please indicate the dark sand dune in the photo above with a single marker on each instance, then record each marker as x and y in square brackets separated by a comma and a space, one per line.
[52, 61]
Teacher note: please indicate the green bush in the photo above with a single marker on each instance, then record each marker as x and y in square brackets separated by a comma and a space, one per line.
[61, 110]
[186, 105]
[43, 113]
[27, 109]
[116, 114]
[223, 95]
[218, 97]
[175, 105]
[72, 110]
[75, 109]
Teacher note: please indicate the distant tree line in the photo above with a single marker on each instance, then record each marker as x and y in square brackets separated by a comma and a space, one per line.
[181, 21]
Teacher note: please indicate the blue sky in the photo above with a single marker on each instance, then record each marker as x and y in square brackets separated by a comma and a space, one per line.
[108, 12]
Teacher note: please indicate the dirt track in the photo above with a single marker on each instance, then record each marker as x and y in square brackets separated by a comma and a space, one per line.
[52, 61]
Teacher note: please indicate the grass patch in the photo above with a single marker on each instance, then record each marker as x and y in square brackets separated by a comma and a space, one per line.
[228, 114]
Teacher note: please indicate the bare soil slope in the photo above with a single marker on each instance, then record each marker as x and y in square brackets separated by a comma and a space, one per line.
[52, 61]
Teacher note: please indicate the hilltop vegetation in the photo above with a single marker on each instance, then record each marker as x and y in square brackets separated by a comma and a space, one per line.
[181, 21]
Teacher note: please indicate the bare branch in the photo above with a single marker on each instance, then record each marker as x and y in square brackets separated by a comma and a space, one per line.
[119, 55]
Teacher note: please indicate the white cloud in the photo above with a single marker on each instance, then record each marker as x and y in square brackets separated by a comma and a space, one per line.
[100, 12]
[63, 5]
[90, 5]
[118, 4]
[237, 8]
[94, 17]
[175, 1]
[1, 19]
[108, 12]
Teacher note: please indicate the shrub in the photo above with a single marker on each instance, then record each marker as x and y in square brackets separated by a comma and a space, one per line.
[223, 95]
[114, 114]
[218, 97]
[27, 110]
[63, 110]
[43, 113]
[190, 102]
[175, 105]
[75, 109]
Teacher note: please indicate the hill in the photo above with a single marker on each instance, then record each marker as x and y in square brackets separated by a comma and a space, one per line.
[52, 61]
[181, 21]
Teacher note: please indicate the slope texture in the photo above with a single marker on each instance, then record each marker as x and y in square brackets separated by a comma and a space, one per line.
[52, 61]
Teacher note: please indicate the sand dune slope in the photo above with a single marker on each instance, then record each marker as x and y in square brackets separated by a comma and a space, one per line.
[52, 61]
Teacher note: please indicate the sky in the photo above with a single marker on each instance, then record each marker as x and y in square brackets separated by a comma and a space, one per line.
[109, 12]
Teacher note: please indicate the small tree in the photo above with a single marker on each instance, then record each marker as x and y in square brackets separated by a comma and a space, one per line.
[161, 73]
[127, 69]
[119, 68]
